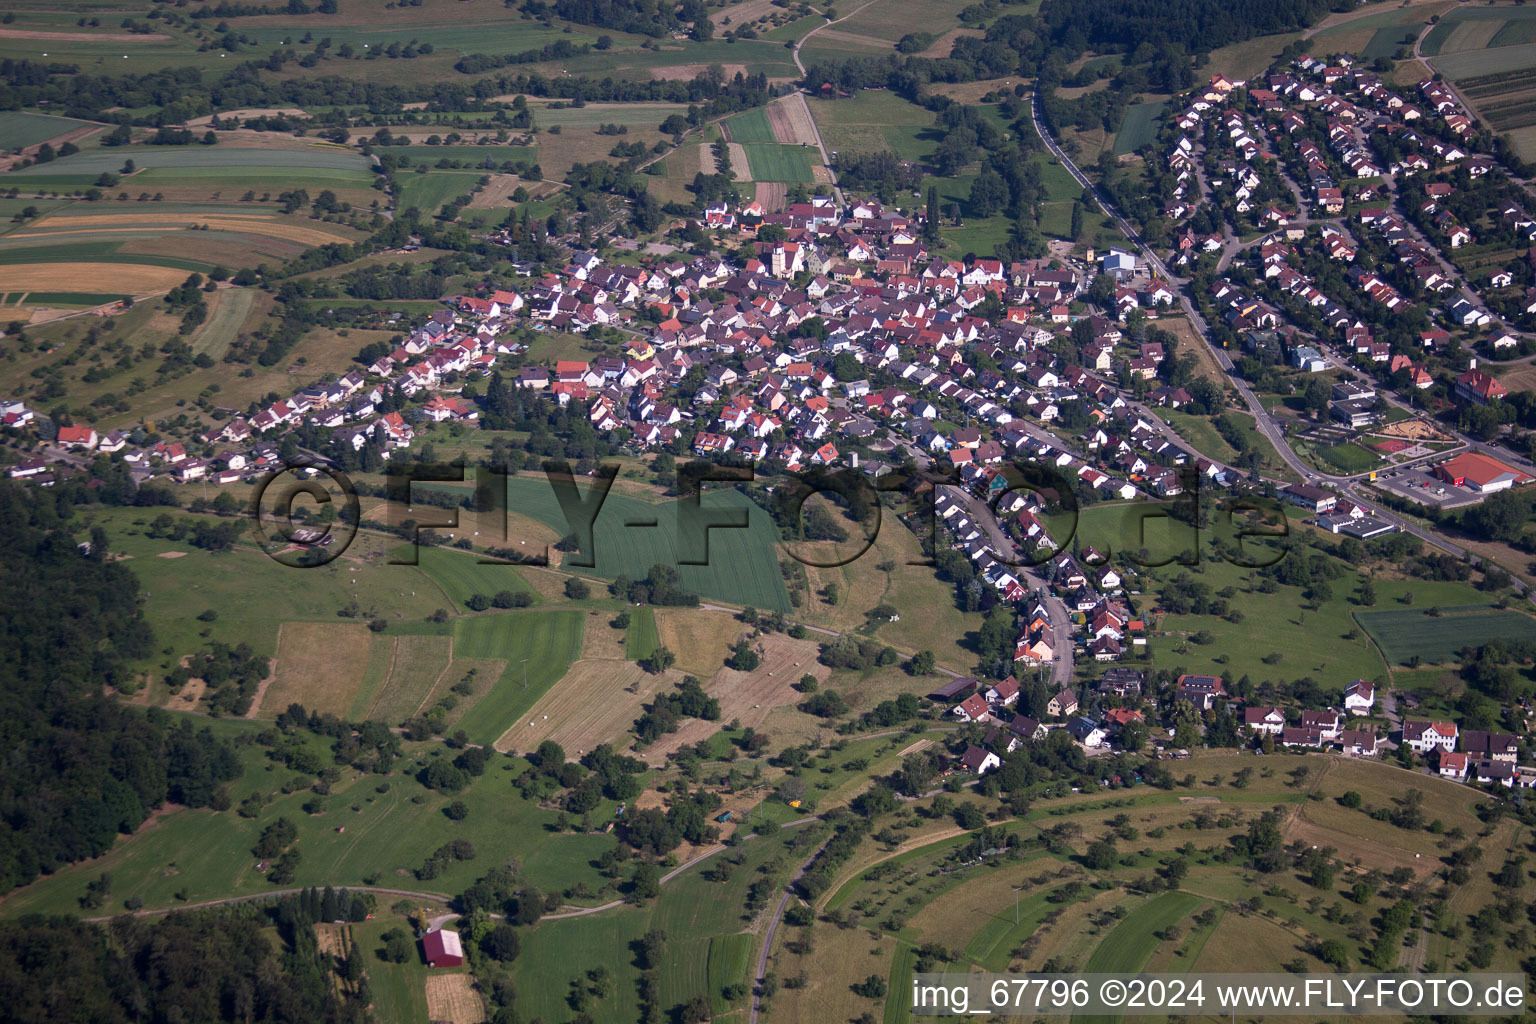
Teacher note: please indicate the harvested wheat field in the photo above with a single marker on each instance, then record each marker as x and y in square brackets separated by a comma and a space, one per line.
[820, 175]
[319, 665]
[452, 997]
[68, 277]
[251, 224]
[773, 195]
[791, 121]
[83, 37]
[688, 72]
[749, 696]
[595, 702]
[700, 638]
[739, 164]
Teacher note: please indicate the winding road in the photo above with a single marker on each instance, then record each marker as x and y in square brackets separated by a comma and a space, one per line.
[815, 128]
[1348, 485]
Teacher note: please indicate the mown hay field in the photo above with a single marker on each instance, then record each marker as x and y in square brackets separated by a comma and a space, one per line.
[538, 648]
[319, 665]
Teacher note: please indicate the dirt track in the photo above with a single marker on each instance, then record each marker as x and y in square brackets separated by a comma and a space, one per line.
[83, 37]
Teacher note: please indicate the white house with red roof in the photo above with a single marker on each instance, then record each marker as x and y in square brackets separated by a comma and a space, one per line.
[1360, 697]
[972, 709]
[78, 437]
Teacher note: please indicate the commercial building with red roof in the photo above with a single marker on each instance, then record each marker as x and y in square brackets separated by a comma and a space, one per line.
[1480, 472]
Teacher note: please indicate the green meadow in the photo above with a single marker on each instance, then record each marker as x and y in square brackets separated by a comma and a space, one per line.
[370, 826]
[740, 565]
[19, 128]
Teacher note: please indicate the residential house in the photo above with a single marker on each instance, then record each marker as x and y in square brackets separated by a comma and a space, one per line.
[1264, 720]
[1423, 737]
[1201, 691]
[979, 760]
[1062, 705]
[1360, 697]
[972, 709]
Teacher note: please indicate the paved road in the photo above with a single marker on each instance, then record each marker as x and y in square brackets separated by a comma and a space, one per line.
[1061, 621]
[772, 930]
[1267, 425]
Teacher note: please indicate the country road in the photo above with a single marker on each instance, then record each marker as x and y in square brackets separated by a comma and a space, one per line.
[815, 128]
[410, 894]
[772, 930]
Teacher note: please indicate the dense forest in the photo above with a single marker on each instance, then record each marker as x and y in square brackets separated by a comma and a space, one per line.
[80, 768]
[191, 966]
[644, 17]
[175, 95]
[1198, 25]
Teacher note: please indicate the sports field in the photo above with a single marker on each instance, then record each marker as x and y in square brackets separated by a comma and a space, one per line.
[1405, 633]
[1351, 458]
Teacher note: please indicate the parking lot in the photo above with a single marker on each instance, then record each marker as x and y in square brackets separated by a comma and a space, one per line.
[1425, 488]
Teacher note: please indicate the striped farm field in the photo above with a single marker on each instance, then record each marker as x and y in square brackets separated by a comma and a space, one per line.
[729, 956]
[1406, 633]
[537, 646]
[110, 160]
[230, 308]
[62, 277]
[1494, 60]
[89, 252]
[19, 128]
[462, 575]
[146, 222]
[1139, 126]
[641, 638]
[1477, 28]
[751, 126]
[773, 162]
[415, 664]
